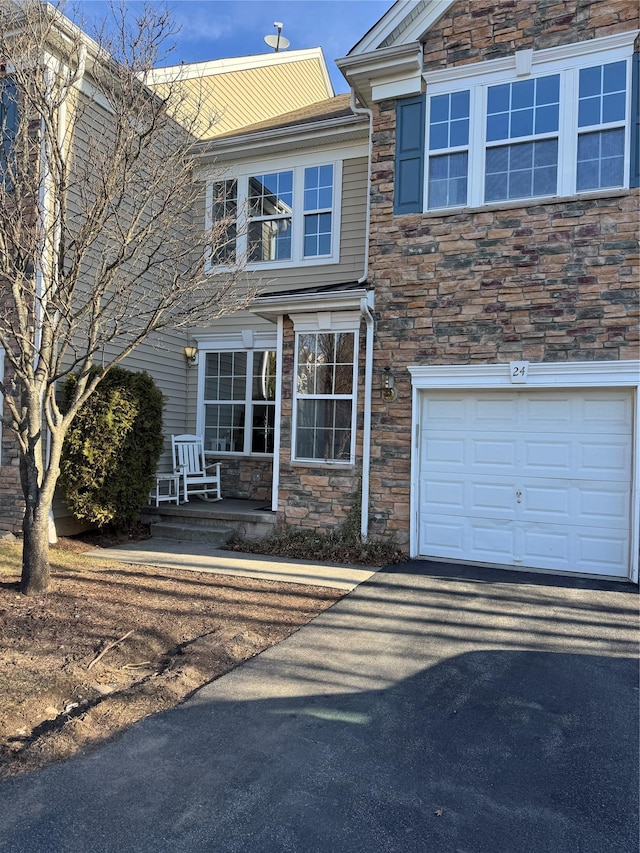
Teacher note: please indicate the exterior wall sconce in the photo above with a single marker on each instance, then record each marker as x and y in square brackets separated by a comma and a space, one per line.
[191, 355]
[388, 383]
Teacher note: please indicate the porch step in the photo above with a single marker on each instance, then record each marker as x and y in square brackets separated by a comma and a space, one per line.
[216, 536]
[217, 521]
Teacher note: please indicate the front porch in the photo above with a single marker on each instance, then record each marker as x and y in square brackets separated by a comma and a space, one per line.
[214, 523]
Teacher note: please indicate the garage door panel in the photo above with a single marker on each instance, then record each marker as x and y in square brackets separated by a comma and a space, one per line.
[602, 458]
[492, 499]
[550, 456]
[604, 501]
[545, 546]
[547, 411]
[444, 452]
[602, 551]
[444, 536]
[614, 418]
[495, 412]
[539, 479]
[445, 493]
[493, 537]
[544, 502]
[492, 452]
[451, 411]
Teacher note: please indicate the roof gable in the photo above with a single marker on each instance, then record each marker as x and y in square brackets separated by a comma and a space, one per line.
[405, 22]
[239, 92]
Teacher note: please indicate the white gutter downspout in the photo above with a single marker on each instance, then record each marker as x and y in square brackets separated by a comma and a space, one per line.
[275, 473]
[365, 306]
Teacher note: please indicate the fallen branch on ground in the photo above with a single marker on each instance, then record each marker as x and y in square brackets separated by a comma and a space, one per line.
[109, 647]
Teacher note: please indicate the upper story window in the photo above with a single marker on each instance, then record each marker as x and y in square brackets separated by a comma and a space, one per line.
[552, 123]
[279, 217]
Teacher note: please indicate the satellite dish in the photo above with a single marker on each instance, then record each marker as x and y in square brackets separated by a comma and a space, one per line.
[277, 42]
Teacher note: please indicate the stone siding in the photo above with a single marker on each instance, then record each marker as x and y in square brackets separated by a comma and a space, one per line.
[248, 479]
[480, 29]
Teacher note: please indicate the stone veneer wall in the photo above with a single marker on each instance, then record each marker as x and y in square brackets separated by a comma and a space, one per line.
[249, 479]
[545, 281]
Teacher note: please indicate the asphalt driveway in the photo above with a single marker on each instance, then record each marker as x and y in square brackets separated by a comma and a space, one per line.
[435, 708]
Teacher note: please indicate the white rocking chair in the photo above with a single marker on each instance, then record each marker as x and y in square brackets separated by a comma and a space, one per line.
[198, 477]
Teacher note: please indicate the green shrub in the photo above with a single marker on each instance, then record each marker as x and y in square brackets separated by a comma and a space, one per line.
[112, 449]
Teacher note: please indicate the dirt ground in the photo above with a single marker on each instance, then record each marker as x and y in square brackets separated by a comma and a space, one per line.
[113, 643]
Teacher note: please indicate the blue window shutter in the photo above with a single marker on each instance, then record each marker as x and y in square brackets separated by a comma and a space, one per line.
[409, 174]
[8, 119]
[635, 121]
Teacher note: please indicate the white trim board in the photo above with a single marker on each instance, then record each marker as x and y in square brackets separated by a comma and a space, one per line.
[600, 374]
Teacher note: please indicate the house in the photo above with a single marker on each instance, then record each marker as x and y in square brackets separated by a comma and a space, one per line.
[503, 254]
[471, 390]
[445, 344]
[299, 184]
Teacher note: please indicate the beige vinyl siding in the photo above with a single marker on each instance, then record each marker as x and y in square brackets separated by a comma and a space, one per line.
[162, 355]
[240, 98]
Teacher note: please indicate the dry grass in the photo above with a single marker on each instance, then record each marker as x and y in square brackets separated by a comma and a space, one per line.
[187, 629]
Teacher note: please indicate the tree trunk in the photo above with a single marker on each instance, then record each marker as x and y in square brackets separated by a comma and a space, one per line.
[35, 529]
[35, 552]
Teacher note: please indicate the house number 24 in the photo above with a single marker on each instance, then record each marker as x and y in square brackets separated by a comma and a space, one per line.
[519, 371]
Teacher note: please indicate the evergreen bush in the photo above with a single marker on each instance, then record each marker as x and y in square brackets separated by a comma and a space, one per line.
[112, 449]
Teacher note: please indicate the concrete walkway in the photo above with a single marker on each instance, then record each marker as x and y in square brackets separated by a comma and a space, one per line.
[199, 557]
[434, 709]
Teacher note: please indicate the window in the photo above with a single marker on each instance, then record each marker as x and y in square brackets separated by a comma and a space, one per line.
[225, 211]
[325, 396]
[602, 105]
[449, 132]
[529, 110]
[270, 216]
[239, 401]
[285, 216]
[557, 127]
[318, 201]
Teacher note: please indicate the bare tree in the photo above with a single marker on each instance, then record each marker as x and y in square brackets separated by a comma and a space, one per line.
[99, 248]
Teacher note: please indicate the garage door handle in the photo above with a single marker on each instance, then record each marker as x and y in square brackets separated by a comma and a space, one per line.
[518, 496]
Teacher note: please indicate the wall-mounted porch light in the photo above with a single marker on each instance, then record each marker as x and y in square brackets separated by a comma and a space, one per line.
[191, 355]
[388, 383]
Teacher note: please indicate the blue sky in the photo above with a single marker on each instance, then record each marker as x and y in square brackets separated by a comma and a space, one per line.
[215, 29]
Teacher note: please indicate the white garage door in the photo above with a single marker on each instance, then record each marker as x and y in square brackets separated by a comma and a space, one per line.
[527, 478]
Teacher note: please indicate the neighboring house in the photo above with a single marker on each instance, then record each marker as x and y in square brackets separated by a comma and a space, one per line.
[299, 186]
[504, 257]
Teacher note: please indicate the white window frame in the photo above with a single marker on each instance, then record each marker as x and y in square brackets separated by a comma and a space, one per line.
[567, 61]
[247, 341]
[243, 173]
[329, 322]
